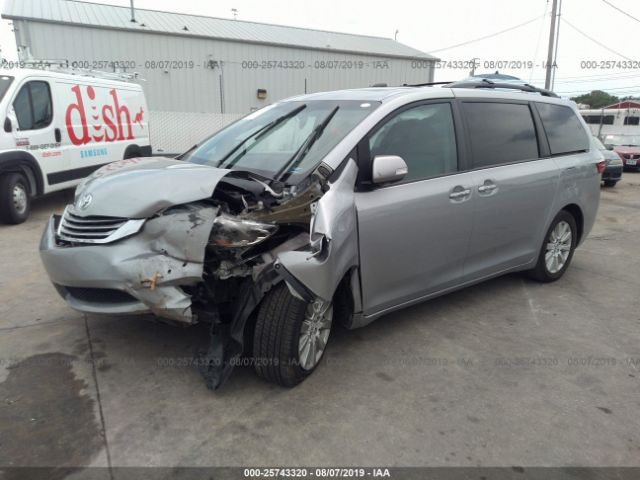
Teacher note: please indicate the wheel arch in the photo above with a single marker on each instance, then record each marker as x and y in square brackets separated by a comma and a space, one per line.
[19, 161]
[577, 214]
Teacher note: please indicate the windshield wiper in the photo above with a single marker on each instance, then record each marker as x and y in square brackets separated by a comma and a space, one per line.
[297, 157]
[257, 134]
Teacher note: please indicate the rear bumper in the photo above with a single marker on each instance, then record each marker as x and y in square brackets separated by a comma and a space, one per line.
[612, 173]
[136, 275]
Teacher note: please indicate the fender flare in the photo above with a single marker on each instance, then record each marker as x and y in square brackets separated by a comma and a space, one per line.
[20, 161]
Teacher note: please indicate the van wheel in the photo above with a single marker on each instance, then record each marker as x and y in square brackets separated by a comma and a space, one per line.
[15, 199]
[610, 183]
[557, 250]
[290, 336]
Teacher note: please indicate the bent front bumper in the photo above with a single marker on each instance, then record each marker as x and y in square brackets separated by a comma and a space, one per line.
[140, 274]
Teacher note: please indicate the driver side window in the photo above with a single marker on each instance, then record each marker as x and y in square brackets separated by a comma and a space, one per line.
[32, 106]
[424, 136]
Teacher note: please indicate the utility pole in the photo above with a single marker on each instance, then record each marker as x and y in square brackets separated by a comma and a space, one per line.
[555, 53]
[552, 36]
[133, 12]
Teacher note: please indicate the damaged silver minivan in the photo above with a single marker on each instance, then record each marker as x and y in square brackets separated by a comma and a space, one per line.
[330, 208]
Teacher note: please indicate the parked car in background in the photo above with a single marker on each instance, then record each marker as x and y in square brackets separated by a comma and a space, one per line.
[334, 207]
[613, 165]
[60, 127]
[627, 146]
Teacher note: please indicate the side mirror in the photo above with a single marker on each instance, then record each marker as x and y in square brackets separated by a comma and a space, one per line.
[388, 168]
[7, 125]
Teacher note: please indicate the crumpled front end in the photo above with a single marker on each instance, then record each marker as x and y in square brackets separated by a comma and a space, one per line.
[205, 253]
[146, 272]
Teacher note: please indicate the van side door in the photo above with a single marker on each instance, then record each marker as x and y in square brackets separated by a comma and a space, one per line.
[515, 181]
[36, 124]
[413, 234]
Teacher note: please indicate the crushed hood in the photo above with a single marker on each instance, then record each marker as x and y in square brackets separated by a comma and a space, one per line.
[140, 187]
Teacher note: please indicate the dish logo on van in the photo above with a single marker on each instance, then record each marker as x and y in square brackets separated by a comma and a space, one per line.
[111, 121]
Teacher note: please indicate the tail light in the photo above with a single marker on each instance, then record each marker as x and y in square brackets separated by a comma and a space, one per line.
[601, 165]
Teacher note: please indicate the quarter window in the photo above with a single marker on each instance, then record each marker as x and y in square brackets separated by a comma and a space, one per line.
[564, 131]
[423, 136]
[32, 106]
[500, 133]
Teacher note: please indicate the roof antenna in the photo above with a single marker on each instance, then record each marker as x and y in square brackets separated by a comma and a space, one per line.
[133, 13]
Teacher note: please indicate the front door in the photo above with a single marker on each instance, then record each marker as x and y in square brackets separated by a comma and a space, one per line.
[34, 126]
[414, 234]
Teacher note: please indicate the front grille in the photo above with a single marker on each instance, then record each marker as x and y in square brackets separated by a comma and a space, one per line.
[95, 229]
[100, 295]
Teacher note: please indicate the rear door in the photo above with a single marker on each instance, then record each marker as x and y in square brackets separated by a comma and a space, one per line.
[515, 181]
[413, 235]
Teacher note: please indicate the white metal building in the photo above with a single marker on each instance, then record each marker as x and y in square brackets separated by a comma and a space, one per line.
[207, 68]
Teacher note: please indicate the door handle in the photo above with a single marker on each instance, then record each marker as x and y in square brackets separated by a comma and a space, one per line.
[457, 194]
[487, 187]
[58, 135]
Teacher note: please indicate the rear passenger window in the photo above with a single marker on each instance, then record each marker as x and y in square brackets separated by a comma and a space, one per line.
[423, 136]
[500, 133]
[564, 131]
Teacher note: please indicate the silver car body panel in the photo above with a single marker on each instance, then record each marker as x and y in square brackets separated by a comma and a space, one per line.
[335, 220]
[151, 267]
[141, 187]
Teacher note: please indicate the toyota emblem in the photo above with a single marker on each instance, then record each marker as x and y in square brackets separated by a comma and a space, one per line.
[85, 201]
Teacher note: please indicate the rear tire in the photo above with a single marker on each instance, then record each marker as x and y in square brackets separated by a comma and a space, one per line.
[610, 183]
[15, 198]
[278, 346]
[557, 249]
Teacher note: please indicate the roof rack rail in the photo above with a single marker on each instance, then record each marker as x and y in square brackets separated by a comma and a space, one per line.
[62, 66]
[425, 84]
[485, 83]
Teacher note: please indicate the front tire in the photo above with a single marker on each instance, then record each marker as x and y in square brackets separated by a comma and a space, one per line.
[610, 183]
[290, 336]
[557, 249]
[15, 198]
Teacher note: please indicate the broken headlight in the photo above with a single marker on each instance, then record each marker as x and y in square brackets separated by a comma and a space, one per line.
[231, 232]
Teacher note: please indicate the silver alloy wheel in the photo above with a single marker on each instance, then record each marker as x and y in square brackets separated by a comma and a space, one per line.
[19, 198]
[314, 333]
[558, 247]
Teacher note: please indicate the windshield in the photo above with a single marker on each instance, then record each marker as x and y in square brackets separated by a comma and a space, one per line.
[622, 140]
[266, 141]
[5, 81]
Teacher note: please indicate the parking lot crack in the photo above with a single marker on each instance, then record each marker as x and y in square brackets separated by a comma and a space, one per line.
[97, 385]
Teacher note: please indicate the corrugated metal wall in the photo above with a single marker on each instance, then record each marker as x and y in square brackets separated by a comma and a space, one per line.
[198, 89]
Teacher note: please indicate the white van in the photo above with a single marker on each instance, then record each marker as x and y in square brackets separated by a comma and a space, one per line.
[60, 127]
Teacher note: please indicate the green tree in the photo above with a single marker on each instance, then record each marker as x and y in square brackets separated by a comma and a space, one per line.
[596, 99]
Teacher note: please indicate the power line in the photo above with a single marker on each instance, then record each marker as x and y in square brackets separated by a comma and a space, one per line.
[603, 76]
[630, 88]
[486, 36]
[594, 40]
[535, 55]
[621, 11]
